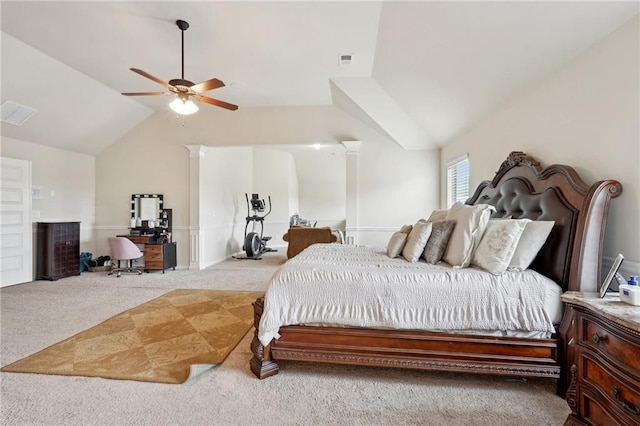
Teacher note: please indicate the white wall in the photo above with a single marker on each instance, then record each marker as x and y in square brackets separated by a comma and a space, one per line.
[68, 185]
[273, 170]
[396, 186]
[149, 159]
[324, 203]
[270, 172]
[322, 180]
[586, 115]
[294, 190]
[223, 180]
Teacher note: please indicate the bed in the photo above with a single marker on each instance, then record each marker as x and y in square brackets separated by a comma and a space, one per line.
[521, 189]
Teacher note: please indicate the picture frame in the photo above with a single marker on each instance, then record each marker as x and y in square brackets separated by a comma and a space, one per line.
[611, 275]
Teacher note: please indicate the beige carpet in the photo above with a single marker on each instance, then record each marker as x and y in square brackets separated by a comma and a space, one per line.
[39, 314]
[166, 340]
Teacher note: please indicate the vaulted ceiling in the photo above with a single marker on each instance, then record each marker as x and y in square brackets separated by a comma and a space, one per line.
[421, 71]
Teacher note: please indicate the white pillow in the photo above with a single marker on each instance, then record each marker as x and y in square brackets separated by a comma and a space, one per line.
[416, 241]
[396, 244]
[470, 224]
[406, 229]
[438, 215]
[498, 244]
[533, 238]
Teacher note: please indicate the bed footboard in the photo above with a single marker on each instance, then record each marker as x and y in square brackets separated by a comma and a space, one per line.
[261, 364]
[516, 357]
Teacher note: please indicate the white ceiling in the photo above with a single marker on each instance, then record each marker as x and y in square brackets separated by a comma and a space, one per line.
[431, 67]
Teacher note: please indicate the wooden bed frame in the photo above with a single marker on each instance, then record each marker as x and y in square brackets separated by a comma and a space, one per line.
[571, 257]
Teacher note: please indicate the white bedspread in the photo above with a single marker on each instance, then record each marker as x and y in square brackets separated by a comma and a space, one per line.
[333, 284]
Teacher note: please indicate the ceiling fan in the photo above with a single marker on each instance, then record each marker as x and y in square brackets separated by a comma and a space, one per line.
[185, 89]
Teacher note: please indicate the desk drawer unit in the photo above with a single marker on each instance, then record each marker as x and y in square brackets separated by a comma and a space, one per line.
[153, 256]
[159, 257]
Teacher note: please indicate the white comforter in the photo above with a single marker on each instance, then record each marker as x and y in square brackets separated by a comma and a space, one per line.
[333, 284]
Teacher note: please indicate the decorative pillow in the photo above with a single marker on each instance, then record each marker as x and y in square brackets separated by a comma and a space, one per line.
[437, 242]
[533, 238]
[406, 229]
[498, 244]
[396, 244]
[438, 215]
[416, 241]
[470, 224]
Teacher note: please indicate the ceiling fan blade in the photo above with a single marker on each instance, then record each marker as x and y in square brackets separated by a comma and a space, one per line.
[150, 77]
[146, 94]
[216, 102]
[205, 86]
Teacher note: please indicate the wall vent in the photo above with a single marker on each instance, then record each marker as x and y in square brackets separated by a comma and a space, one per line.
[346, 59]
[15, 114]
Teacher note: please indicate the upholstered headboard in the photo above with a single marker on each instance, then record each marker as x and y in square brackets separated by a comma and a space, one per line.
[572, 254]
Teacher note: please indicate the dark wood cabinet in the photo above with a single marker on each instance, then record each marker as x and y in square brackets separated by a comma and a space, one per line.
[58, 250]
[605, 361]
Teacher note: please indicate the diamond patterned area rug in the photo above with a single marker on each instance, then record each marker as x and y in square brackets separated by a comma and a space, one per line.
[166, 340]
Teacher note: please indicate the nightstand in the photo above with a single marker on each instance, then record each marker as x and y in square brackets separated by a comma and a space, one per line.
[603, 356]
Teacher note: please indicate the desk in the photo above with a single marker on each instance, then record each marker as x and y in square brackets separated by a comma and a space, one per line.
[157, 257]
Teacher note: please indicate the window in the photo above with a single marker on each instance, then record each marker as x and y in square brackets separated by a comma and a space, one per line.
[458, 180]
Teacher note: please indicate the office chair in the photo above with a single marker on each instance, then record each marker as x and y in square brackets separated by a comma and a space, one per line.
[124, 249]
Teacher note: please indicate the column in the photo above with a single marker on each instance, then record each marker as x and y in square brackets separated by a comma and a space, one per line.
[196, 154]
[352, 175]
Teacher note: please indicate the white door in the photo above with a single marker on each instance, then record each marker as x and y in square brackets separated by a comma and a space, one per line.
[15, 222]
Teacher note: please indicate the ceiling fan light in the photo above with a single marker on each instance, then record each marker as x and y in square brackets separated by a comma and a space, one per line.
[183, 107]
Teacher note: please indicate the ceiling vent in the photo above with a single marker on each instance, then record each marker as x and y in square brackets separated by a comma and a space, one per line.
[346, 59]
[15, 114]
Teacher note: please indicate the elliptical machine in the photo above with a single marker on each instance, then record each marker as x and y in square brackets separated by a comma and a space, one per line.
[255, 244]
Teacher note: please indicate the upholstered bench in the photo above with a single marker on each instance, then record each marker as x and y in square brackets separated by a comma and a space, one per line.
[301, 237]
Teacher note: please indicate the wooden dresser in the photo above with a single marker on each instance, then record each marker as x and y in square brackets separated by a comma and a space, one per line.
[157, 257]
[57, 250]
[603, 356]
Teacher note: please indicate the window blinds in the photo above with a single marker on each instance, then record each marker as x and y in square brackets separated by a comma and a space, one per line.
[458, 180]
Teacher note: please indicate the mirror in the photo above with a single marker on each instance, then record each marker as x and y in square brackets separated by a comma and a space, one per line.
[146, 206]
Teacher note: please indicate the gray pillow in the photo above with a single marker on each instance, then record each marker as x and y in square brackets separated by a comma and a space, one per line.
[438, 240]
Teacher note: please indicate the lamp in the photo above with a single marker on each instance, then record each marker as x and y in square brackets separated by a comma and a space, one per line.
[183, 106]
